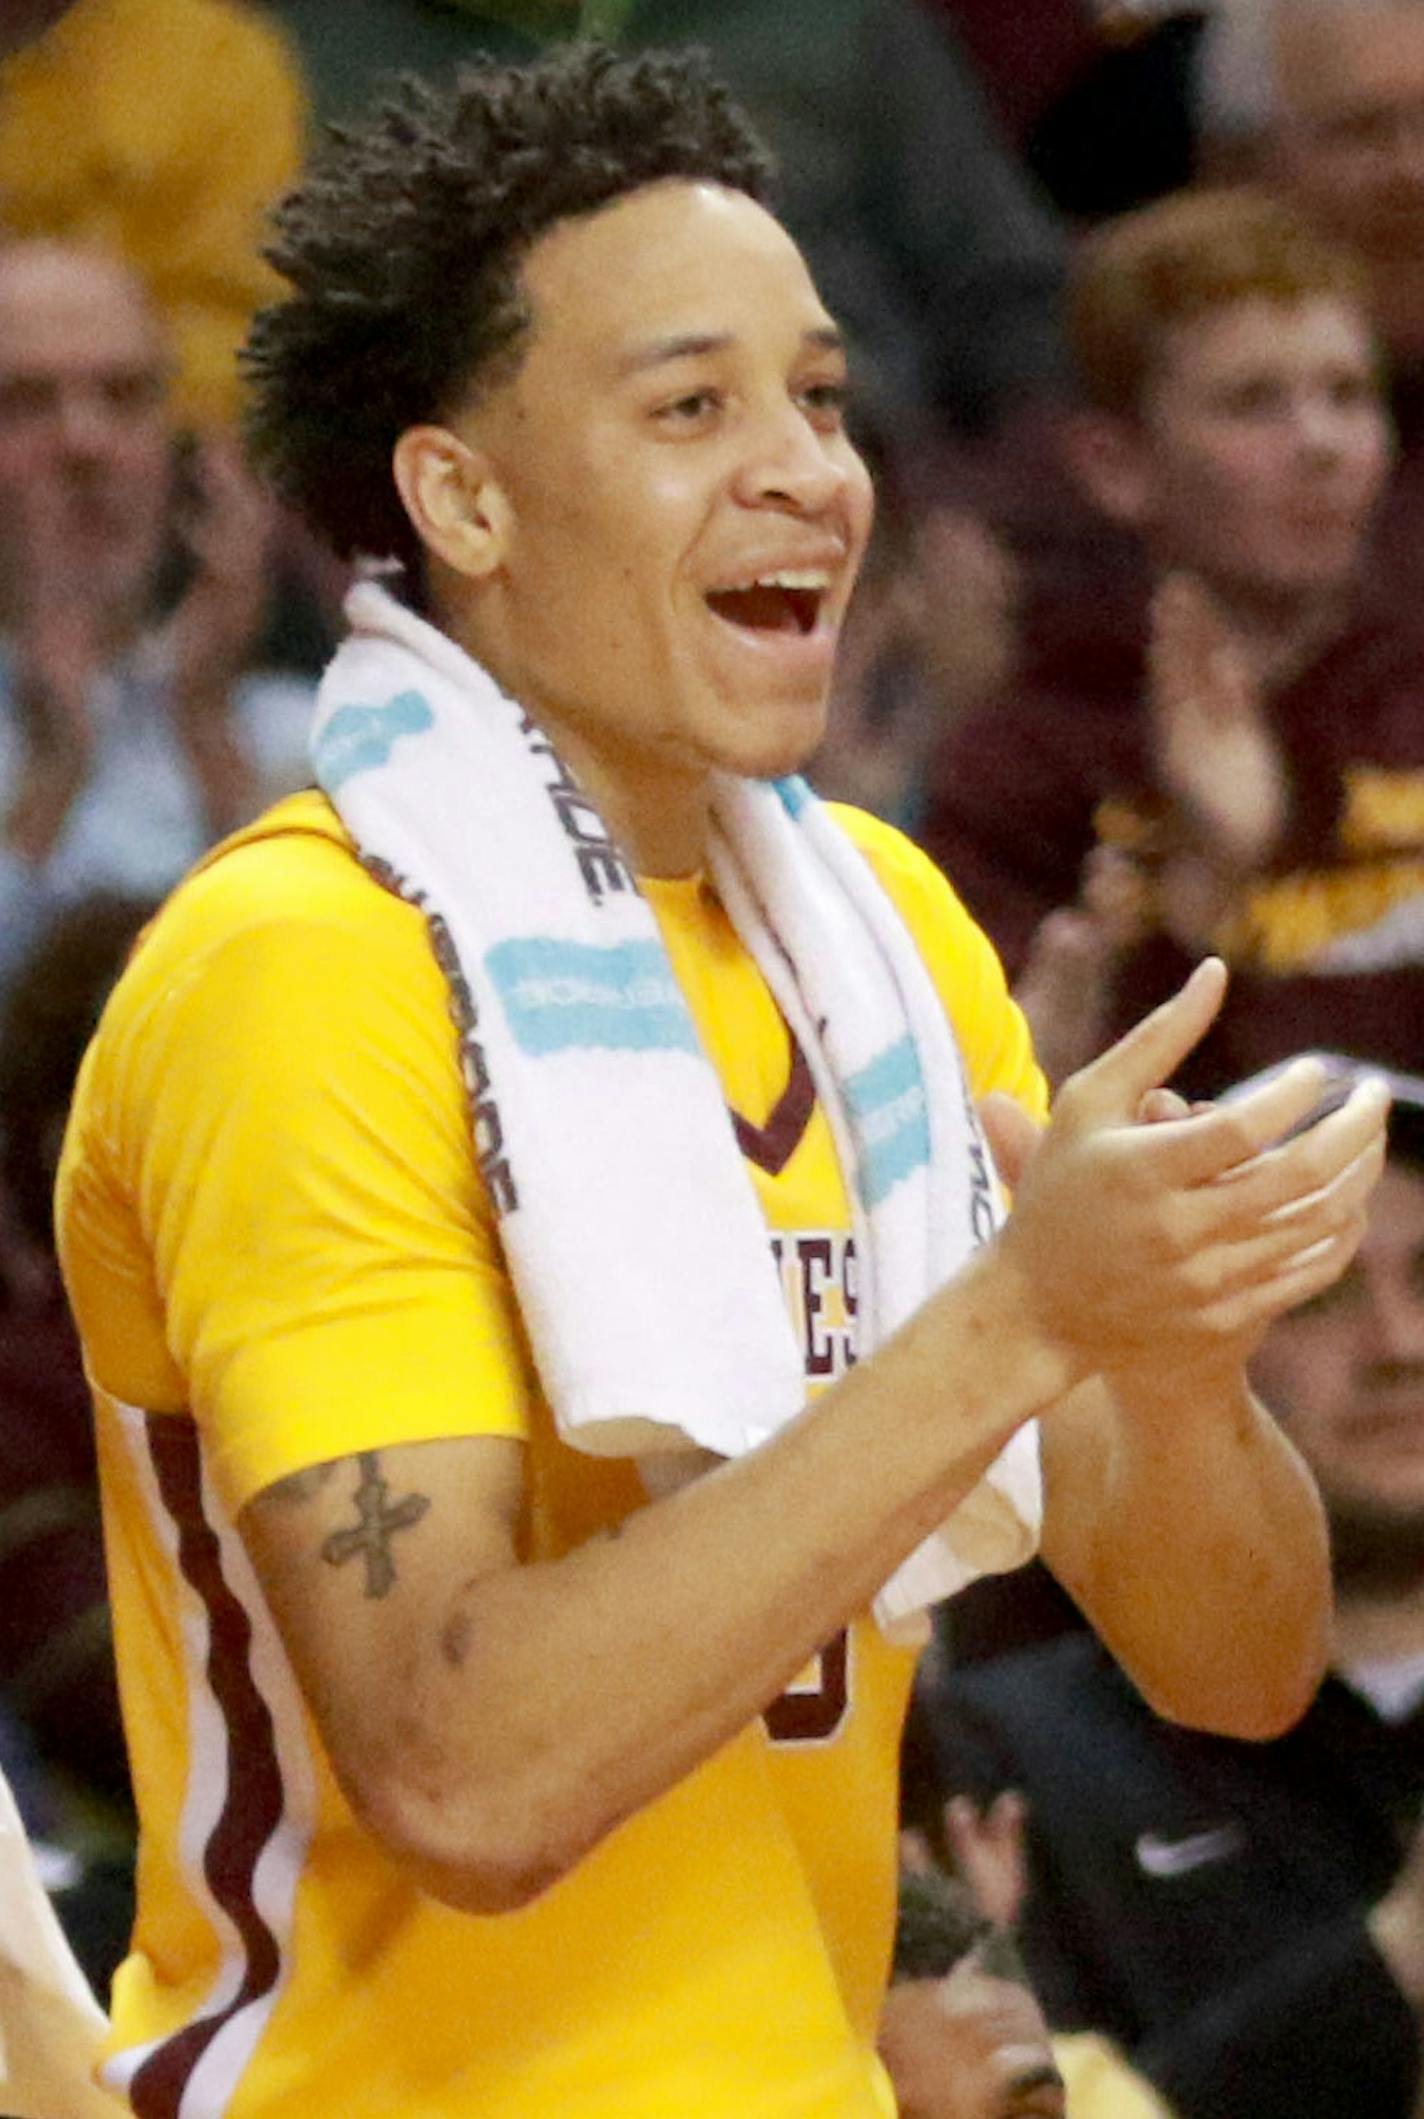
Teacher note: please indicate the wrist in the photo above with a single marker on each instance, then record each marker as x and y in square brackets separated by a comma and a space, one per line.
[1012, 1315]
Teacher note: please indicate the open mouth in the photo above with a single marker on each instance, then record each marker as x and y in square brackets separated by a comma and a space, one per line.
[780, 603]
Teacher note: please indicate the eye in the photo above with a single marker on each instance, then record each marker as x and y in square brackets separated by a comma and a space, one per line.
[693, 408]
[1258, 397]
[826, 404]
[132, 390]
[25, 397]
[1352, 391]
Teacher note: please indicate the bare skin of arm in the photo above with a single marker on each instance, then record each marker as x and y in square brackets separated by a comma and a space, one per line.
[1162, 1477]
[490, 1722]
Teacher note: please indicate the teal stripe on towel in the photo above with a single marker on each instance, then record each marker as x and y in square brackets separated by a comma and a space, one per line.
[359, 739]
[616, 997]
[890, 1119]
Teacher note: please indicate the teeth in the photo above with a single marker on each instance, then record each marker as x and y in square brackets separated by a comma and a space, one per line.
[808, 579]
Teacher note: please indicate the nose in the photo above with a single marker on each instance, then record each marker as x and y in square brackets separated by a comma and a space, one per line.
[1394, 1336]
[83, 424]
[788, 464]
[1406, 151]
[1322, 427]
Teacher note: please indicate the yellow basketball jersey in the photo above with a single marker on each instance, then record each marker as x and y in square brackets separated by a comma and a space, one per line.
[279, 1252]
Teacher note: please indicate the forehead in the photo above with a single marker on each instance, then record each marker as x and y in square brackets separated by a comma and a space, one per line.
[672, 261]
[1336, 62]
[1259, 333]
[66, 311]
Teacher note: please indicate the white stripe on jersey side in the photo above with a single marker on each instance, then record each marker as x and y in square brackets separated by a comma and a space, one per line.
[210, 2088]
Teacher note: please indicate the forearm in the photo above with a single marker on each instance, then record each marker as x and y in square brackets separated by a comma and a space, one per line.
[1183, 1522]
[548, 1703]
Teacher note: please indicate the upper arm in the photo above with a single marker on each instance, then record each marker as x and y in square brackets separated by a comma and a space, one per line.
[366, 1561]
[298, 1152]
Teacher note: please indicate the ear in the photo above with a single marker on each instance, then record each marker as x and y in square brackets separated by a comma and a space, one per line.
[453, 499]
[1110, 457]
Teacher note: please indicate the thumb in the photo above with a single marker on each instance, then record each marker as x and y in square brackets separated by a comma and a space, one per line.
[1113, 1087]
[1012, 1136]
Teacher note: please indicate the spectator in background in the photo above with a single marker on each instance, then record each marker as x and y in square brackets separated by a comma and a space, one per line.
[1247, 1920]
[1344, 140]
[129, 738]
[160, 130]
[1239, 763]
[932, 633]
[961, 2032]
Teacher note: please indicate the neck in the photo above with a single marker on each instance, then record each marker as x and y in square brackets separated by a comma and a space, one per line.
[1280, 633]
[659, 814]
[1378, 1628]
[657, 807]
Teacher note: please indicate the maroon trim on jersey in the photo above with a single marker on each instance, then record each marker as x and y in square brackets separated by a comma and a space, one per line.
[772, 1146]
[252, 1806]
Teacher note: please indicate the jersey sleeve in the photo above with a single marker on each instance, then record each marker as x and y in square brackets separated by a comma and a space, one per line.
[294, 1132]
[993, 1035]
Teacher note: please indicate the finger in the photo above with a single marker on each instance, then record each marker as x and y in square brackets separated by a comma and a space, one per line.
[1113, 1086]
[1012, 1135]
[1205, 1146]
[1160, 1106]
[1309, 1273]
[1289, 1171]
[1290, 1238]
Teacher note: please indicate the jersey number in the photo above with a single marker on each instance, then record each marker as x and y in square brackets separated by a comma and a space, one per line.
[811, 1711]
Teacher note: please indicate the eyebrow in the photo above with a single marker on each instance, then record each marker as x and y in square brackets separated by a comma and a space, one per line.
[696, 345]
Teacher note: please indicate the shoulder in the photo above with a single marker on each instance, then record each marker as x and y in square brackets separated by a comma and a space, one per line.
[278, 955]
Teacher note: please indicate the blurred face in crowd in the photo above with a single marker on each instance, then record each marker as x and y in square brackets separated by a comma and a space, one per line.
[969, 2046]
[657, 522]
[1345, 1374]
[1349, 146]
[1260, 450]
[85, 467]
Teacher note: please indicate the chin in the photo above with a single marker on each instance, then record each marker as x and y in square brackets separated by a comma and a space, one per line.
[783, 743]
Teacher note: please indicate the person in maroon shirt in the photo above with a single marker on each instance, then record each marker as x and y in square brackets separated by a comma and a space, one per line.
[1234, 758]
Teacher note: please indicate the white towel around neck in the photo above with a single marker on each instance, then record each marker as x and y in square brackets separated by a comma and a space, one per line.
[639, 1254]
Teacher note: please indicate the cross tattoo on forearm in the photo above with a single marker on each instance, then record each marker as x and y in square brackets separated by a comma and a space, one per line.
[371, 1538]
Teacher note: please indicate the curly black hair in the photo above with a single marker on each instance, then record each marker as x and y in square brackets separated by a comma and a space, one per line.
[404, 242]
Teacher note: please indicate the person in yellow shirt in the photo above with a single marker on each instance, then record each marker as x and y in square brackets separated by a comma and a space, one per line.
[502, 1745]
[162, 130]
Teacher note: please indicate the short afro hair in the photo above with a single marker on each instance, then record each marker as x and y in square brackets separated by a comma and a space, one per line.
[404, 242]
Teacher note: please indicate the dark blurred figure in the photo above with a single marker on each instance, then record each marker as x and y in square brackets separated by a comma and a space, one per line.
[21, 21]
[932, 633]
[1246, 1921]
[56, 1658]
[928, 242]
[1100, 99]
[1232, 757]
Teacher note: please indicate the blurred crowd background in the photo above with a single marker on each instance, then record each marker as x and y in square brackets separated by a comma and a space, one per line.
[1135, 295]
